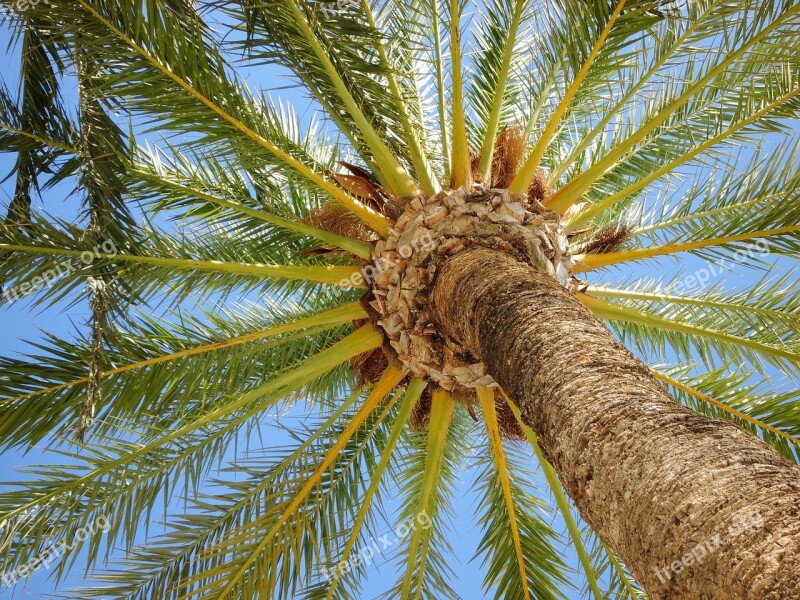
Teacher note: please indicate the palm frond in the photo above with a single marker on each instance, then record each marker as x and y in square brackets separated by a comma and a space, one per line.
[769, 305]
[410, 398]
[783, 238]
[159, 378]
[323, 273]
[404, 97]
[619, 583]
[225, 305]
[763, 196]
[423, 528]
[191, 78]
[433, 14]
[249, 544]
[203, 187]
[709, 334]
[517, 544]
[71, 497]
[335, 56]
[270, 476]
[442, 406]
[496, 65]
[730, 394]
[563, 504]
[762, 31]
[27, 124]
[523, 179]
[785, 106]
[671, 43]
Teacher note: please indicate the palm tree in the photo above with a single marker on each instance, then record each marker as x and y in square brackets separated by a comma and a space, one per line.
[431, 268]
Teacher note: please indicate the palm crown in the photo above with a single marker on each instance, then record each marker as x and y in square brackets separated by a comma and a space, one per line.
[653, 128]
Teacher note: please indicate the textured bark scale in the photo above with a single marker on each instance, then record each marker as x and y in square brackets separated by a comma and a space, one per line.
[696, 507]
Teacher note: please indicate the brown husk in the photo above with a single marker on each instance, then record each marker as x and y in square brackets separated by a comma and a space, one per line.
[538, 190]
[607, 240]
[508, 151]
[337, 219]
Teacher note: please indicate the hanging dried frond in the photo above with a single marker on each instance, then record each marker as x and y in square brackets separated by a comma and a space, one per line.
[508, 152]
[475, 166]
[339, 220]
[506, 421]
[538, 190]
[361, 172]
[362, 188]
[99, 306]
[609, 239]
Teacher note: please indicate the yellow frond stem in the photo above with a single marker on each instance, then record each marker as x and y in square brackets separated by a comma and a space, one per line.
[533, 118]
[605, 292]
[364, 339]
[562, 502]
[487, 149]
[603, 309]
[400, 183]
[345, 276]
[319, 322]
[461, 168]
[357, 247]
[49, 142]
[636, 86]
[696, 215]
[590, 262]
[442, 406]
[610, 201]
[440, 93]
[390, 379]
[620, 572]
[486, 396]
[376, 221]
[427, 179]
[721, 405]
[527, 172]
[413, 392]
[575, 189]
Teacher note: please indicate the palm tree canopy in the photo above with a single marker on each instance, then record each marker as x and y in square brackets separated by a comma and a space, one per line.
[222, 243]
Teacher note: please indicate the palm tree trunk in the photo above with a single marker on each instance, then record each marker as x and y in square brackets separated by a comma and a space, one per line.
[696, 507]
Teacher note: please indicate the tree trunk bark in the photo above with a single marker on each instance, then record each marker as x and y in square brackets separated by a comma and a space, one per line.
[696, 507]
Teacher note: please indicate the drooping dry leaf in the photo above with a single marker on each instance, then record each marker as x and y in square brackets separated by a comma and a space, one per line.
[338, 219]
[610, 239]
[361, 188]
[508, 151]
[360, 172]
